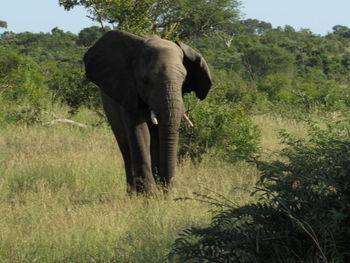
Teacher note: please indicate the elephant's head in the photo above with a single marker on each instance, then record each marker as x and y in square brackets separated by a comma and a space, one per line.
[149, 74]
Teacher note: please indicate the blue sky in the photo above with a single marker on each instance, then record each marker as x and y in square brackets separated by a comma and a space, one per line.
[317, 15]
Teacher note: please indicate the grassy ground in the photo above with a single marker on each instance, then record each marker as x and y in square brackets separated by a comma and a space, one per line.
[62, 195]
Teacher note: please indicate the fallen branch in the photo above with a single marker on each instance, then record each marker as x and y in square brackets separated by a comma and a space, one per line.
[53, 122]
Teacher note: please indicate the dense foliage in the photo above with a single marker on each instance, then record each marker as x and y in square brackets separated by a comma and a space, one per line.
[303, 214]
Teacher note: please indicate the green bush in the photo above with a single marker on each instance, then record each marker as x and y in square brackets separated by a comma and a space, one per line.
[20, 78]
[70, 86]
[27, 114]
[230, 86]
[23, 92]
[221, 127]
[303, 212]
[277, 87]
[322, 94]
[312, 92]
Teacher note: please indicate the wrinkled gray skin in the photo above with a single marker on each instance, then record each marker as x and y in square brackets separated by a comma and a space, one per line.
[137, 74]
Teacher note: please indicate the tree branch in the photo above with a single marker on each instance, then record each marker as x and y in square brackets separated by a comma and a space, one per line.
[55, 121]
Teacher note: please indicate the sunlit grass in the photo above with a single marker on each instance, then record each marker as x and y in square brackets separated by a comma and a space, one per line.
[270, 127]
[63, 198]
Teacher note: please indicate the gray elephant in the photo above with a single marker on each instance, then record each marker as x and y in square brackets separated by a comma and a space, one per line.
[142, 80]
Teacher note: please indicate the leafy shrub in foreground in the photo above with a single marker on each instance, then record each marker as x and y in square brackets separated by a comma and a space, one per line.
[303, 212]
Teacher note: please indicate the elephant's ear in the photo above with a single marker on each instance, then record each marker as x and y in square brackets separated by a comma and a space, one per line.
[198, 76]
[108, 64]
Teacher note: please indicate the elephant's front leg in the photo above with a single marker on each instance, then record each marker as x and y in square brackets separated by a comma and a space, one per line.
[139, 143]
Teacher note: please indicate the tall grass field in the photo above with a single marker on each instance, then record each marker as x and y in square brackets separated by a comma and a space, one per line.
[63, 197]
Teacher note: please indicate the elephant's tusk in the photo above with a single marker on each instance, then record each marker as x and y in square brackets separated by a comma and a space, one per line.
[189, 122]
[154, 118]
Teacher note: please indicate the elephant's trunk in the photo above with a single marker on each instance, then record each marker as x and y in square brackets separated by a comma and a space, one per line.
[169, 124]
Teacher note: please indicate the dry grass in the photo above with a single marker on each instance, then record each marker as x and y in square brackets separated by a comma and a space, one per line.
[270, 127]
[62, 194]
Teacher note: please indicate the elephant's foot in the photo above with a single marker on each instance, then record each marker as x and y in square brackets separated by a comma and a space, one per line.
[143, 186]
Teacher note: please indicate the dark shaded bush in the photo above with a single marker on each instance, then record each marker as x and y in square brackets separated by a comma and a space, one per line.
[303, 212]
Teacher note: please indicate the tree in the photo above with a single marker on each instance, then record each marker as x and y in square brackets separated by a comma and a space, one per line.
[3, 24]
[168, 18]
[289, 29]
[342, 31]
[255, 27]
[198, 17]
[262, 60]
[89, 35]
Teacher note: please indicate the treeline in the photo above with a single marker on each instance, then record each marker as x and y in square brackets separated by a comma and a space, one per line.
[283, 66]
[256, 66]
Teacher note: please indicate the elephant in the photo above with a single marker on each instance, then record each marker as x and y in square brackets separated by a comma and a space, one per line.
[142, 79]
